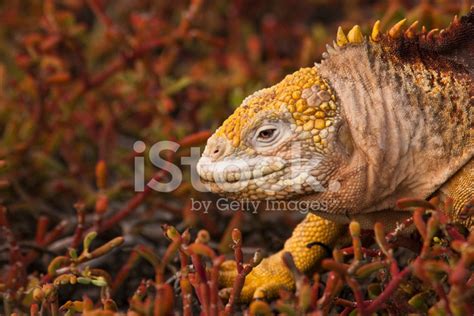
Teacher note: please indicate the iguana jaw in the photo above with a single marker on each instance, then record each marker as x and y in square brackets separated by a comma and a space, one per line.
[258, 177]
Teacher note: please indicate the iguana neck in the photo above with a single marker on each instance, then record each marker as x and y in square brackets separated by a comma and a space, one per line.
[411, 125]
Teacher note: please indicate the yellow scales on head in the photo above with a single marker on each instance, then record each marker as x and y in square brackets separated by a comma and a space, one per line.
[306, 96]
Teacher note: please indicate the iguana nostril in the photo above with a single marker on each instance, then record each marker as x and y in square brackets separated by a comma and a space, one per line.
[216, 148]
[216, 152]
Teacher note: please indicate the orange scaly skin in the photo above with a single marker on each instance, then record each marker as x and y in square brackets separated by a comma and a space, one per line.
[380, 118]
[294, 92]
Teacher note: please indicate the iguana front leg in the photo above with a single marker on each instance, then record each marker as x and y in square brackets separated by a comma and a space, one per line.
[308, 244]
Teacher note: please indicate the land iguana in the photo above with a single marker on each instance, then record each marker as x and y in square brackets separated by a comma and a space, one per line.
[381, 117]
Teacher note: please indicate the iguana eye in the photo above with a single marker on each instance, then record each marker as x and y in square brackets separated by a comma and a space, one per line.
[270, 134]
[266, 134]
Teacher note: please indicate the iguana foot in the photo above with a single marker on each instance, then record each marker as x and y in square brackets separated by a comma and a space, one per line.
[310, 242]
[263, 281]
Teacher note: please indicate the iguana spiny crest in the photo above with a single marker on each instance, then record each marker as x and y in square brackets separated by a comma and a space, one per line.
[379, 118]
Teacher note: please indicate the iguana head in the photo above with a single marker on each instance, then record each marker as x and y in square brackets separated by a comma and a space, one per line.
[277, 142]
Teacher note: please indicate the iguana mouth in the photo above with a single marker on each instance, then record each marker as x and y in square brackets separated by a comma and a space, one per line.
[267, 177]
[234, 171]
